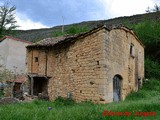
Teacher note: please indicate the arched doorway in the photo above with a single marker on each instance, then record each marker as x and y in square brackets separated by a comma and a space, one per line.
[117, 79]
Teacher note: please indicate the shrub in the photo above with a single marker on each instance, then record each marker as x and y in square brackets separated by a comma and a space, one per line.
[63, 101]
[74, 29]
[136, 95]
[57, 33]
[149, 89]
[151, 84]
[152, 68]
[1, 93]
[149, 33]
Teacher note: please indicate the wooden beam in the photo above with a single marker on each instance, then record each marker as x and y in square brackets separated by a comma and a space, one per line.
[32, 83]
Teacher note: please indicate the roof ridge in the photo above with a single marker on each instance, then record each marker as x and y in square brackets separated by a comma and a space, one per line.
[17, 39]
[54, 40]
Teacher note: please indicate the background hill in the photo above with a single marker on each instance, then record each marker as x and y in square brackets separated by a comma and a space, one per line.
[146, 26]
[38, 34]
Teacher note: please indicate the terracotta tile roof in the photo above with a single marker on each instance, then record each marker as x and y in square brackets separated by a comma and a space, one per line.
[57, 40]
[61, 39]
[52, 41]
[17, 39]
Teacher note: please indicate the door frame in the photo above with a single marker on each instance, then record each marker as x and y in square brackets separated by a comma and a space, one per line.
[117, 87]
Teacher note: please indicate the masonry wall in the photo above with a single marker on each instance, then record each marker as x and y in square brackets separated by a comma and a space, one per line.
[80, 70]
[119, 61]
[75, 68]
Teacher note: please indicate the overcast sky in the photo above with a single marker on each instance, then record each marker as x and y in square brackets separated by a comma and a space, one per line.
[34, 14]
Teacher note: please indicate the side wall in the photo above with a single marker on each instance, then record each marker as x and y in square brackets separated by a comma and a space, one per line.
[13, 55]
[4, 51]
[76, 68]
[119, 61]
[79, 70]
[37, 61]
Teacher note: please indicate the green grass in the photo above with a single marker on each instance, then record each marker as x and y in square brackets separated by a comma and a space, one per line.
[145, 100]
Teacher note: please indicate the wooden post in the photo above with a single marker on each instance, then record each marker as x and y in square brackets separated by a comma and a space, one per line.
[63, 25]
[32, 82]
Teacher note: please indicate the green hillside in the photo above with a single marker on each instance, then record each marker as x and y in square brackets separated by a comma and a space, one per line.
[38, 34]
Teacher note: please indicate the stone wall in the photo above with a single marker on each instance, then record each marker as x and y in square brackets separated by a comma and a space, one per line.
[76, 68]
[119, 61]
[80, 69]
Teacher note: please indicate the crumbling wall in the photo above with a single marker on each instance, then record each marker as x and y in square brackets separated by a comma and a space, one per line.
[121, 60]
[78, 69]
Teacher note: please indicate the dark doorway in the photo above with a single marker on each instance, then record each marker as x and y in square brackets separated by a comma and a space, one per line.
[17, 91]
[40, 85]
[117, 88]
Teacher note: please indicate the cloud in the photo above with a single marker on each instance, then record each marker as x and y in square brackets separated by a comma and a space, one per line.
[33, 14]
[25, 23]
[50, 12]
[115, 8]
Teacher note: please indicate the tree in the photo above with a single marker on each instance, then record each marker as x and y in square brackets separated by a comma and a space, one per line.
[71, 30]
[7, 19]
[148, 10]
[156, 8]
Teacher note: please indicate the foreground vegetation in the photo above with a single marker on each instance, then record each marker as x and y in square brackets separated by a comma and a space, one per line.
[146, 100]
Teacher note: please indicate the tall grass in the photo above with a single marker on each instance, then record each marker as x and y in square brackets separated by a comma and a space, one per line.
[152, 68]
[145, 100]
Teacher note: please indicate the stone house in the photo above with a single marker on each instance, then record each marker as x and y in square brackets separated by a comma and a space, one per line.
[102, 65]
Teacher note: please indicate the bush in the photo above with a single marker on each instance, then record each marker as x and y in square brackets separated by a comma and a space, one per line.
[136, 95]
[57, 33]
[149, 33]
[63, 101]
[1, 93]
[74, 29]
[152, 68]
[149, 89]
[151, 84]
